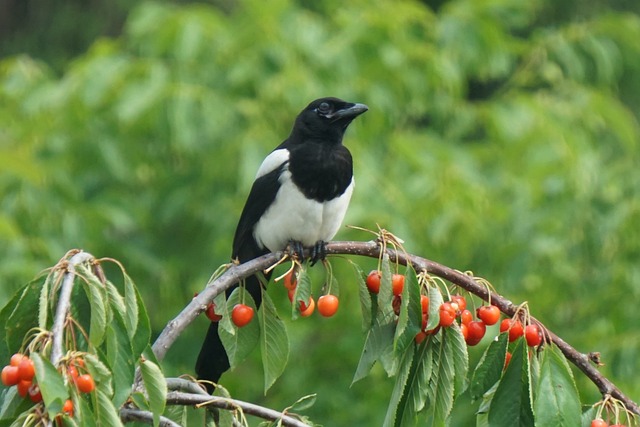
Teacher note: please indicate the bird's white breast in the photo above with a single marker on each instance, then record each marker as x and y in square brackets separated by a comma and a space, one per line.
[294, 217]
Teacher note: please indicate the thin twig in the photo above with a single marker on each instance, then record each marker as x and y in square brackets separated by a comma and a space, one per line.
[372, 249]
[180, 398]
[131, 414]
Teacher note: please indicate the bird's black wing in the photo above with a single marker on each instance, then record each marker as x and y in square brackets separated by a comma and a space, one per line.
[262, 194]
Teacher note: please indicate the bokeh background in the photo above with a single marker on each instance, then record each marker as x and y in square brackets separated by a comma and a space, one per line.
[502, 138]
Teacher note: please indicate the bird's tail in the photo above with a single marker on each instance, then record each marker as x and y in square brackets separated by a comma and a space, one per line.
[212, 360]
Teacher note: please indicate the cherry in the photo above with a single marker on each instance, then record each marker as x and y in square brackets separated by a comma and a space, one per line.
[396, 303]
[373, 281]
[466, 317]
[477, 329]
[10, 375]
[532, 335]
[424, 302]
[241, 315]
[507, 359]
[34, 393]
[67, 408]
[489, 314]
[290, 281]
[26, 369]
[447, 315]
[211, 313]
[307, 309]
[420, 336]
[514, 327]
[16, 359]
[85, 383]
[459, 299]
[328, 305]
[397, 284]
[465, 331]
[73, 373]
[23, 388]
[599, 423]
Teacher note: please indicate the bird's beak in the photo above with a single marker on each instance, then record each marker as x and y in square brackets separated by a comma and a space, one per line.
[351, 112]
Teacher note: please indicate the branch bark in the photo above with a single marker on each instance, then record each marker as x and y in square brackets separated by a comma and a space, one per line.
[373, 249]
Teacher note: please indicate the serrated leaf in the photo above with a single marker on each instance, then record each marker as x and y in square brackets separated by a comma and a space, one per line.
[365, 297]
[435, 301]
[398, 407]
[301, 293]
[489, 368]
[115, 299]
[302, 404]
[557, 401]
[274, 342]
[441, 383]
[51, 384]
[105, 412]
[97, 299]
[410, 319]
[239, 345]
[385, 295]
[378, 342]
[225, 323]
[131, 303]
[120, 358]
[43, 305]
[460, 358]
[511, 403]
[100, 372]
[156, 385]
[588, 416]
[142, 336]
[19, 316]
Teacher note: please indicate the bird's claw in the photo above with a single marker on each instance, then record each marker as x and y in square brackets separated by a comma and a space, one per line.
[296, 249]
[318, 252]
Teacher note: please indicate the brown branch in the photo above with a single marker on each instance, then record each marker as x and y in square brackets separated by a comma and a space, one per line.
[372, 249]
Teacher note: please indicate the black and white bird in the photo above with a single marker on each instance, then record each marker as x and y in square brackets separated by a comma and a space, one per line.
[298, 199]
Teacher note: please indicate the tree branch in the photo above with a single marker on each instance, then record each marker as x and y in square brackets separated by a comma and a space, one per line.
[131, 414]
[180, 398]
[235, 273]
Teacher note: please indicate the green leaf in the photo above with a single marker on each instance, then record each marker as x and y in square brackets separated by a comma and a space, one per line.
[19, 316]
[385, 295]
[274, 341]
[378, 342]
[557, 402]
[399, 391]
[131, 302]
[511, 403]
[225, 323]
[435, 301]
[100, 372]
[120, 359]
[239, 345]
[115, 299]
[156, 385]
[460, 358]
[442, 379]
[302, 293]
[490, 366]
[43, 307]
[302, 404]
[410, 319]
[105, 412]
[96, 294]
[365, 298]
[140, 340]
[51, 384]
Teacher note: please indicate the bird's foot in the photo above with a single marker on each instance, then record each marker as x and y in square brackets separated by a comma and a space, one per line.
[318, 252]
[295, 249]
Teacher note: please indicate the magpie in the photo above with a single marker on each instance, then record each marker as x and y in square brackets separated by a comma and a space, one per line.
[298, 199]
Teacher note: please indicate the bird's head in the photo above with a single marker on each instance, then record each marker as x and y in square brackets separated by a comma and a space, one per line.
[327, 118]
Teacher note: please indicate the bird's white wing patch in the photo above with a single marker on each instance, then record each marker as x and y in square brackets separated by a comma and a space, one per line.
[273, 161]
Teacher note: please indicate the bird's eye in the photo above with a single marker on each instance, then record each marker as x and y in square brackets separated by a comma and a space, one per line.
[324, 108]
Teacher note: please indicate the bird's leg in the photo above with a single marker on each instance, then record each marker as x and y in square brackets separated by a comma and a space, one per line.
[318, 252]
[295, 248]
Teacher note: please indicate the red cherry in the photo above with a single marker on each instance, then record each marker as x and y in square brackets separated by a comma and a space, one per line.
[599, 423]
[211, 313]
[241, 315]
[290, 281]
[85, 383]
[373, 281]
[460, 300]
[23, 388]
[507, 359]
[465, 331]
[424, 302]
[34, 393]
[420, 336]
[466, 317]
[397, 283]
[328, 305]
[447, 315]
[477, 329]
[532, 335]
[514, 327]
[307, 309]
[26, 369]
[16, 359]
[489, 314]
[10, 375]
[67, 408]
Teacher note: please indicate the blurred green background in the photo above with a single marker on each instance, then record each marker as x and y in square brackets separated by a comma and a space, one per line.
[502, 138]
